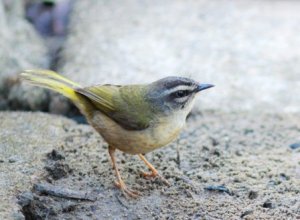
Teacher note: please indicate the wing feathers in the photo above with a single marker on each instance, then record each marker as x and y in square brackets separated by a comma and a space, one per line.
[124, 104]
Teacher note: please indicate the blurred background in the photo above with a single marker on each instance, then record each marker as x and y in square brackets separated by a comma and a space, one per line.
[233, 161]
[249, 49]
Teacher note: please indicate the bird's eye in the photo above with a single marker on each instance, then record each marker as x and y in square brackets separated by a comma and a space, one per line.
[181, 93]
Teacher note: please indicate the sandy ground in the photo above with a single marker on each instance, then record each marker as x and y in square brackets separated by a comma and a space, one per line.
[25, 138]
[246, 156]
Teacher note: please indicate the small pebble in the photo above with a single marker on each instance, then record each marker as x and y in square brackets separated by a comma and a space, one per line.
[295, 146]
[214, 141]
[268, 204]
[252, 194]
[248, 131]
[248, 212]
[13, 159]
[55, 155]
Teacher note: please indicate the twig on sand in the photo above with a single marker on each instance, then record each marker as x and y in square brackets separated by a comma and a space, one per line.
[121, 202]
[219, 189]
[178, 155]
[61, 192]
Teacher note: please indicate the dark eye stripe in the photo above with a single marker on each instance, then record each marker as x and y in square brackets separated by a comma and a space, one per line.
[181, 93]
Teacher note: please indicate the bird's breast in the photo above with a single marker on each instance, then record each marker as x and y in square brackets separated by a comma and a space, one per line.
[160, 133]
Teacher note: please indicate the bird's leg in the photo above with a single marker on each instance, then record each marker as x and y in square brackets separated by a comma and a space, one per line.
[120, 183]
[154, 172]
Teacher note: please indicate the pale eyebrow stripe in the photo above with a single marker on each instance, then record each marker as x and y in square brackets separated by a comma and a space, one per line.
[180, 87]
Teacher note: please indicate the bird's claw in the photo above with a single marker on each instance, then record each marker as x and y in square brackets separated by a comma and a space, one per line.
[126, 191]
[154, 175]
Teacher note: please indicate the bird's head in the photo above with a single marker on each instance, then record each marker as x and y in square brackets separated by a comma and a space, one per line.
[174, 94]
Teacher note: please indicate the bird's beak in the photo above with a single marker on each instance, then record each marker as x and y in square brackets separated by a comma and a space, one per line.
[204, 86]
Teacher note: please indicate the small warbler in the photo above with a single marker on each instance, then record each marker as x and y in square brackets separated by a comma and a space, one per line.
[135, 119]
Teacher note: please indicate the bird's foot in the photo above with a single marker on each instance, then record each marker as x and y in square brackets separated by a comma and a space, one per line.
[152, 174]
[126, 191]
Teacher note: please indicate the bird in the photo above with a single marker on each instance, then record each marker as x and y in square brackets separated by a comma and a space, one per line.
[135, 119]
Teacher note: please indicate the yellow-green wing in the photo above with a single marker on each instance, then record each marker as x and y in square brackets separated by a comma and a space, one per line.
[101, 96]
[124, 104]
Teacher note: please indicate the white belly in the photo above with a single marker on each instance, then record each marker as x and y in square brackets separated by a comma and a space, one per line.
[136, 142]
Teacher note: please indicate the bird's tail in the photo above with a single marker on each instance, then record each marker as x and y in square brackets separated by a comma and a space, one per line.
[52, 80]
